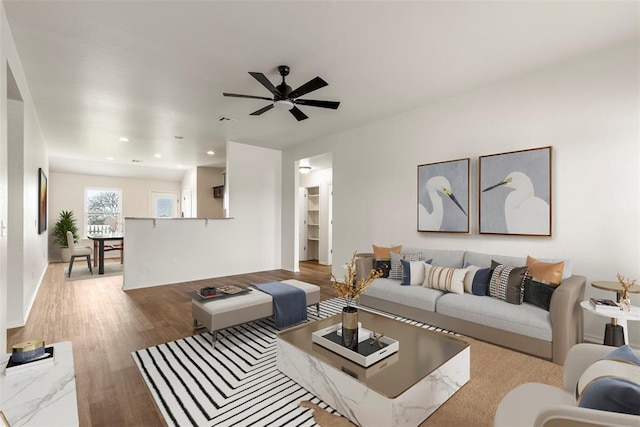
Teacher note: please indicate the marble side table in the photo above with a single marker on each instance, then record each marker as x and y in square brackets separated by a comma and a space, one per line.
[43, 396]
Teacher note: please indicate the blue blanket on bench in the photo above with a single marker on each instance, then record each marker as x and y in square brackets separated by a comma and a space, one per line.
[289, 303]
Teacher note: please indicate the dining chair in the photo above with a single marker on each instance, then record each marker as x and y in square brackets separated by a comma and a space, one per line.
[78, 252]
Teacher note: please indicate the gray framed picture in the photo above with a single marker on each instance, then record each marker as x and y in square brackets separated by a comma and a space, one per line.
[515, 193]
[443, 196]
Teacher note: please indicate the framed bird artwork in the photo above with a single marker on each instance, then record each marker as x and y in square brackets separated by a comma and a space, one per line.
[515, 193]
[443, 196]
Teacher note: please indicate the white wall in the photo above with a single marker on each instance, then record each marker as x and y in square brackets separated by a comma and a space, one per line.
[586, 108]
[181, 250]
[66, 192]
[21, 211]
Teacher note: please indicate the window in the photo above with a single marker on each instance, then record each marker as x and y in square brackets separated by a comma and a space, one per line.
[164, 204]
[103, 210]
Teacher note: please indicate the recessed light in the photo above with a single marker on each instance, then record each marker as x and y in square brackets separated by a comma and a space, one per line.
[157, 155]
[124, 139]
[180, 166]
[109, 158]
[210, 152]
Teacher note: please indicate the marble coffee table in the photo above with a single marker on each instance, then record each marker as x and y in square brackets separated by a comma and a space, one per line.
[400, 390]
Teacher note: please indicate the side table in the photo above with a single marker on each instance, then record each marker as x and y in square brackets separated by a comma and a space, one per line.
[617, 316]
[612, 329]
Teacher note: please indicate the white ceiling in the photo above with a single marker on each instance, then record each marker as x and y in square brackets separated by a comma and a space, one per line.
[151, 70]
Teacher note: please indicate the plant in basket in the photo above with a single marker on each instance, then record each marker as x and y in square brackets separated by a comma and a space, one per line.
[350, 289]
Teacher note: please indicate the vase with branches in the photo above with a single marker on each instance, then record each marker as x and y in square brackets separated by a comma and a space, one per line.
[349, 289]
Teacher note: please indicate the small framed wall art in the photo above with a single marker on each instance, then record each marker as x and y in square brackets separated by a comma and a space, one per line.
[42, 201]
[515, 193]
[443, 196]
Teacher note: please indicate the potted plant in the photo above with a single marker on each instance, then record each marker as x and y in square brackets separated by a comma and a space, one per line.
[66, 222]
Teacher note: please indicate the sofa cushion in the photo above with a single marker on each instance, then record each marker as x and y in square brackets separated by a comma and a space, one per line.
[525, 319]
[383, 265]
[444, 278]
[396, 265]
[476, 279]
[484, 260]
[545, 272]
[412, 296]
[383, 253]
[538, 294]
[412, 272]
[507, 282]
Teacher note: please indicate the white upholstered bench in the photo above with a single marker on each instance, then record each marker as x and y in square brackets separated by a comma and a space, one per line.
[224, 313]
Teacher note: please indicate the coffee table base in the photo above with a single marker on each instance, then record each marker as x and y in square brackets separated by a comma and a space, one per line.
[364, 406]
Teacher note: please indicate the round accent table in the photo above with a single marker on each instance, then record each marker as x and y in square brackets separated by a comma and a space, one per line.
[619, 317]
[612, 328]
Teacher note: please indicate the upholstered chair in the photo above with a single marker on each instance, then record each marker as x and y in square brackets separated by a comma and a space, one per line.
[534, 404]
[78, 252]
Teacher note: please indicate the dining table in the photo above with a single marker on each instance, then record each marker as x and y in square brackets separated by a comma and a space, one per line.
[100, 239]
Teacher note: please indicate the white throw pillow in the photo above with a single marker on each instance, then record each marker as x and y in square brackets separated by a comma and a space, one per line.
[444, 278]
[468, 278]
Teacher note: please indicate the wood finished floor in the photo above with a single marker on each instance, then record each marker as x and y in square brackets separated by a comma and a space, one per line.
[106, 324]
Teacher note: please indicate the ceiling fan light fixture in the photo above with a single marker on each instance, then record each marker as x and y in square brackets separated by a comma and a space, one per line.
[304, 169]
[283, 104]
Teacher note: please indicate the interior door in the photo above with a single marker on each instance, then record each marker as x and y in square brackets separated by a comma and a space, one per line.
[186, 204]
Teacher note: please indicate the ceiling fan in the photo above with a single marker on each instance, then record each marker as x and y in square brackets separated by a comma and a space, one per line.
[286, 99]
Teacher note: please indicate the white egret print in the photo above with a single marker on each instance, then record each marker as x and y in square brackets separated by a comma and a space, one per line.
[443, 196]
[515, 193]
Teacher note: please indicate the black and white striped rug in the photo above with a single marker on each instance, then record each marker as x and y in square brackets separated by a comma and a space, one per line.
[234, 384]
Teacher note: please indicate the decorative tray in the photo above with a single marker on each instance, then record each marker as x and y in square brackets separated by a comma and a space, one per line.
[220, 293]
[368, 351]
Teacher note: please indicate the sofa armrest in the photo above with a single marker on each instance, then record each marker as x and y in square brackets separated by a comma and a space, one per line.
[566, 316]
[564, 415]
[364, 264]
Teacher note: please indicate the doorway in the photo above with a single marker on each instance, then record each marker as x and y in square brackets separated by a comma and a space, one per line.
[314, 206]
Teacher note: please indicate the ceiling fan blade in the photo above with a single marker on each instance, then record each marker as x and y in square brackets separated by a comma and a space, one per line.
[298, 114]
[265, 82]
[247, 96]
[312, 103]
[262, 110]
[309, 86]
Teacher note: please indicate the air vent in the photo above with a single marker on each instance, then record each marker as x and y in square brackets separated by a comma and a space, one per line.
[225, 119]
[136, 161]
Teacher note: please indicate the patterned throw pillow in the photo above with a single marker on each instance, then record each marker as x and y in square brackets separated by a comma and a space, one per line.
[396, 265]
[412, 272]
[444, 278]
[549, 273]
[507, 282]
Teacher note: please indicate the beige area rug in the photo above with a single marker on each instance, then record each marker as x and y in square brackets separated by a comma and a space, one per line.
[494, 372]
[81, 271]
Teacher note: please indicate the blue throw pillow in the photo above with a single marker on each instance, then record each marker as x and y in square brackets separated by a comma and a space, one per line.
[481, 281]
[612, 394]
[624, 353]
[609, 387]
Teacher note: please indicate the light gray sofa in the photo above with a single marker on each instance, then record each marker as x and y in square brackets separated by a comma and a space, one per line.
[526, 328]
